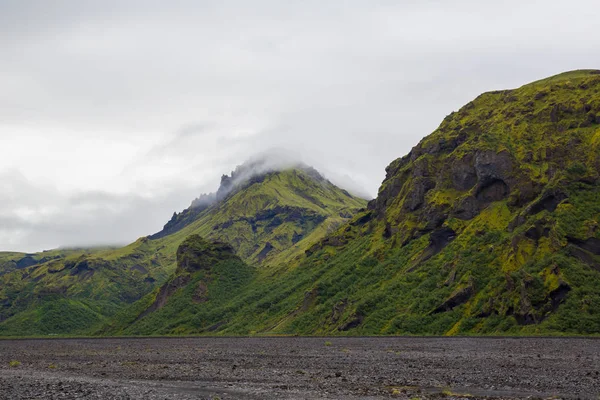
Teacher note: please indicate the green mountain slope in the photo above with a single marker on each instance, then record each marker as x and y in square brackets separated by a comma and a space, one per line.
[488, 226]
[267, 215]
[269, 218]
[195, 298]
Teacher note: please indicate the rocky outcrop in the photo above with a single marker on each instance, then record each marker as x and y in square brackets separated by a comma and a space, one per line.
[591, 245]
[532, 310]
[26, 261]
[463, 173]
[587, 251]
[265, 251]
[195, 254]
[492, 167]
[484, 177]
[460, 296]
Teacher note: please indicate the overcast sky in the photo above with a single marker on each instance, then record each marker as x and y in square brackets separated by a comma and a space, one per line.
[114, 114]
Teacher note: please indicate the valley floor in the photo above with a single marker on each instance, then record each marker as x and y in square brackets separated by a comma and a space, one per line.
[300, 368]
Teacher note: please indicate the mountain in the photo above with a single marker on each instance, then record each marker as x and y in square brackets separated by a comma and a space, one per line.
[269, 213]
[197, 295]
[488, 226]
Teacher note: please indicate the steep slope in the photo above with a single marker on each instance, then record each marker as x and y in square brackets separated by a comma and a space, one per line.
[488, 226]
[267, 215]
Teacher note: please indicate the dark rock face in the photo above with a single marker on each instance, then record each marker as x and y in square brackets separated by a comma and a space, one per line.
[467, 209]
[296, 237]
[139, 268]
[438, 240]
[463, 173]
[83, 268]
[179, 221]
[487, 173]
[355, 321]
[585, 257]
[393, 184]
[537, 231]
[525, 193]
[493, 190]
[196, 253]
[265, 251]
[25, 262]
[442, 146]
[363, 219]
[193, 254]
[459, 297]
[441, 238]
[225, 187]
[586, 251]
[416, 197]
[493, 172]
[549, 201]
[592, 244]
[491, 166]
[534, 312]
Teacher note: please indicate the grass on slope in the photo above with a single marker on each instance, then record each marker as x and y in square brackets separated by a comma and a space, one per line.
[381, 274]
[289, 210]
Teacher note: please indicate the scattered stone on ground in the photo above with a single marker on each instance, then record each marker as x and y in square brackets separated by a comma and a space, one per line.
[300, 368]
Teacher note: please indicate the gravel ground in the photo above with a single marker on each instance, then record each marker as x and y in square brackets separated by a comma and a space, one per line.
[300, 368]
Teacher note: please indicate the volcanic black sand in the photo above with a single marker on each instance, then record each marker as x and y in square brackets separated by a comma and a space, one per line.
[299, 368]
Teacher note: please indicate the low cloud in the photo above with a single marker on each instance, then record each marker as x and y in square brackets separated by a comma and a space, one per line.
[45, 219]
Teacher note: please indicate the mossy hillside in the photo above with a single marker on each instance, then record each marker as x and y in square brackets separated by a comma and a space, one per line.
[490, 223]
[547, 129]
[289, 210]
[488, 226]
[10, 261]
[196, 297]
[282, 209]
[94, 283]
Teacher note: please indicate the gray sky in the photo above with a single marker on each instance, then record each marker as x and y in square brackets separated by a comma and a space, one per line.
[114, 114]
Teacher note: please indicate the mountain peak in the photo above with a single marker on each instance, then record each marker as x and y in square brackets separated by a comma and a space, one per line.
[254, 169]
[270, 190]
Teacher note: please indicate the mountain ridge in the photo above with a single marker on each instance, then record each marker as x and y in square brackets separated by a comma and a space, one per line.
[268, 214]
[488, 226]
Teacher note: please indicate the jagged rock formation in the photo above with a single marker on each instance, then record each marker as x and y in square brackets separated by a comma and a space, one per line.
[208, 274]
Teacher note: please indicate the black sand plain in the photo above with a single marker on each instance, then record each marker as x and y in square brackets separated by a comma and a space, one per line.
[300, 368]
